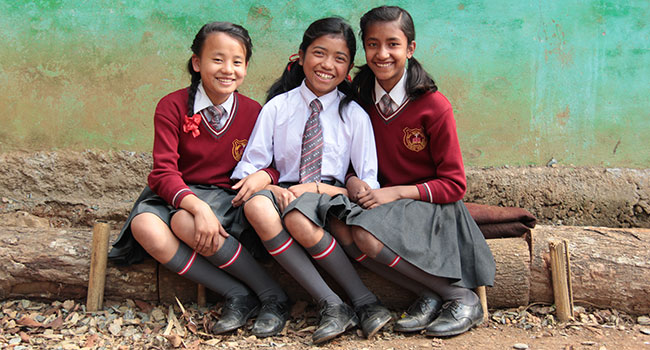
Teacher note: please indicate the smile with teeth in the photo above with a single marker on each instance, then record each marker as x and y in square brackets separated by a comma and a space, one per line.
[324, 75]
[225, 81]
[383, 65]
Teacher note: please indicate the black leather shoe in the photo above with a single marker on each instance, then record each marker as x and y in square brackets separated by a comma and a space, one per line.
[272, 317]
[236, 311]
[372, 316]
[419, 315]
[334, 320]
[455, 318]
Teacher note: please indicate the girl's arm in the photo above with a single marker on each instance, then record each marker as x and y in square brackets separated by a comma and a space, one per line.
[258, 153]
[449, 184]
[165, 178]
[363, 152]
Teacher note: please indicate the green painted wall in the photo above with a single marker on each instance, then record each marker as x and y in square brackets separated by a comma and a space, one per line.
[529, 80]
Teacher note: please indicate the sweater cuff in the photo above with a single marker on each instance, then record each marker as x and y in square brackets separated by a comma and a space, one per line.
[178, 197]
[274, 174]
[425, 192]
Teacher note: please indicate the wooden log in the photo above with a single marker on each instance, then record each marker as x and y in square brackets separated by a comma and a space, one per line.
[98, 260]
[512, 281]
[561, 275]
[610, 266]
[52, 263]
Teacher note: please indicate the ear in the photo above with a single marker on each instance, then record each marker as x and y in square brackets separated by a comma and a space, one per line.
[196, 63]
[410, 49]
[301, 57]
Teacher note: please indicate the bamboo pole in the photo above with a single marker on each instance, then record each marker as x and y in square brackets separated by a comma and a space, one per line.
[561, 276]
[482, 295]
[200, 295]
[98, 260]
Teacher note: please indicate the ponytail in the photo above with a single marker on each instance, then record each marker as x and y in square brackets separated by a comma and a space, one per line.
[418, 81]
[194, 86]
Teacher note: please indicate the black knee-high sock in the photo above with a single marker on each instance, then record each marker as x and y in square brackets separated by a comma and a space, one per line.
[189, 264]
[440, 285]
[233, 258]
[331, 257]
[293, 258]
[388, 273]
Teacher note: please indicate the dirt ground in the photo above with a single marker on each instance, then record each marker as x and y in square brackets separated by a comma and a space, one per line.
[28, 324]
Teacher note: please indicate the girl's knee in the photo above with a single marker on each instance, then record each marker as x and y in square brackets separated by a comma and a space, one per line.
[153, 234]
[302, 229]
[258, 206]
[366, 242]
[341, 231]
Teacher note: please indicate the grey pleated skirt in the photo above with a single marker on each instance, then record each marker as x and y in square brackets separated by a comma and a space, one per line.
[126, 250]
[441, 239]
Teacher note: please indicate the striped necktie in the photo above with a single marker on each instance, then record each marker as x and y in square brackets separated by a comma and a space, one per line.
[386, 105]
[216, 116]
[311, 157]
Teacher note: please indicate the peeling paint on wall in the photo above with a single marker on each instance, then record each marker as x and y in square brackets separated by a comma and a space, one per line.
[529, 80]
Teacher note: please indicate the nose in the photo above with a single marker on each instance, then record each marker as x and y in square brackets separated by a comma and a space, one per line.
[382, 52]
[227, 67]
[328, 63]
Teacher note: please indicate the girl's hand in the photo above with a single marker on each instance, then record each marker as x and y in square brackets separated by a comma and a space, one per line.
[355, 186]
[374, 198]
[282, 195]
[207, 230]
[299, 189]
[250, 185]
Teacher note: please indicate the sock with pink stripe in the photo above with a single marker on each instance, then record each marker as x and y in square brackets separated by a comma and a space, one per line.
[294, 260]
[194, 267]
[386, 272]
[233, 258]
[440, 285]
[331, 257]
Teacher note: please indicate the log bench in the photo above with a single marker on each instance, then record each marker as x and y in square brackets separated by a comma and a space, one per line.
[610, 268]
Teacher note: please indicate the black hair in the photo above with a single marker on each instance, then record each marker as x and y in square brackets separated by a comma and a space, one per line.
[235, 31]
[418, 81]
[293, 75]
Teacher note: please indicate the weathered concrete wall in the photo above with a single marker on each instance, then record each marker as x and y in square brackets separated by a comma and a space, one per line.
[75, 188]
[529, 80]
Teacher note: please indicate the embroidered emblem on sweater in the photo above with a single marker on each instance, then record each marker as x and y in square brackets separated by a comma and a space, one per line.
[414, 139]
[238, 148]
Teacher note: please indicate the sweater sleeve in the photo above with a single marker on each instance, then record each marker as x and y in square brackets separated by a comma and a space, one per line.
[165, 179]
[449, 184]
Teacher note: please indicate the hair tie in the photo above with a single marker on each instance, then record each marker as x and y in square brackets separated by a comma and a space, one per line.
[349, 78]
[292, 59]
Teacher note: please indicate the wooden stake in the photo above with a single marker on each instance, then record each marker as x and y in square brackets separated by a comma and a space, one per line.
[482, 295]
[561, 276]
[200, 295]
[98, 260]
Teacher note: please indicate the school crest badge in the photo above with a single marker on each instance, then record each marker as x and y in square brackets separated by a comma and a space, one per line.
[238, 148]
[414, 139]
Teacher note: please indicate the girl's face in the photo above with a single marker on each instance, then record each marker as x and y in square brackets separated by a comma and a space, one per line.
[326, 62]
[222, 65]
[387, 51]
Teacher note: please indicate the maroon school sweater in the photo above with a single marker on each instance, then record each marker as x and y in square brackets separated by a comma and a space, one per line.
[179, 158]
[418, 145]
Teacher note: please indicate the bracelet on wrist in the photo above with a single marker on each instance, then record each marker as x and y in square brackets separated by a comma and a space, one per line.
[317, 188]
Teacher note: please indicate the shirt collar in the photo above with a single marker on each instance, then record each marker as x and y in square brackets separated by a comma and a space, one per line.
[202, 101]
[397, 94]
[326, 100]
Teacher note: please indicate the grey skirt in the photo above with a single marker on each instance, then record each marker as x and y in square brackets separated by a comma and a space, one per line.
[441, 239]
[126, 250]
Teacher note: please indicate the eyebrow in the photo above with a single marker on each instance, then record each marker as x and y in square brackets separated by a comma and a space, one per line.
[338, 52]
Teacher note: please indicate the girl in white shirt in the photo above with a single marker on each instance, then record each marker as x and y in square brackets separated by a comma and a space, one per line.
[313, 99]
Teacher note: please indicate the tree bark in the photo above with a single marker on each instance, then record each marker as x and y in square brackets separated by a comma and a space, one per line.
[610, 267]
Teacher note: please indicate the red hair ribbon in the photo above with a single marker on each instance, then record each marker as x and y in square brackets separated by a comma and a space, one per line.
[292, 59]
[349, 78]
[191, 124]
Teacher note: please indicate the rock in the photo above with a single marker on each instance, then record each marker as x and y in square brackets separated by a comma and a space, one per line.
[643, 320]
[645, 331]
[520, 346]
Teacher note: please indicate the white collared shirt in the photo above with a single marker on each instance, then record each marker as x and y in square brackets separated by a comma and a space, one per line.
[202, 101]
[397, 94]
[277, 138]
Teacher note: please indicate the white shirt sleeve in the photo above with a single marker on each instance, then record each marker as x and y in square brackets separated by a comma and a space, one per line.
[363, 152]
[258, 153]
